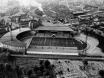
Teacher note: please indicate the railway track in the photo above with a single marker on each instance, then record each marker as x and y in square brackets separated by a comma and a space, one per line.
[70, 57]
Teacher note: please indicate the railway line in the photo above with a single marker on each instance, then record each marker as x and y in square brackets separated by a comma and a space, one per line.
[50, 56]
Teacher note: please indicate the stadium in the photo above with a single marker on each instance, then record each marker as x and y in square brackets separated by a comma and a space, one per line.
[55, 40]
[52, 39]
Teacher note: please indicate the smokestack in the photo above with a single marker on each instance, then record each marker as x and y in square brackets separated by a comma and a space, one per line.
[29, 3]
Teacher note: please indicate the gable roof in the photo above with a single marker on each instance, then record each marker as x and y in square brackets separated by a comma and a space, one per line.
[54, 28]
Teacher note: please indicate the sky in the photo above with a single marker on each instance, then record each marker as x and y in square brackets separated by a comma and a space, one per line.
[26, 3]
[3, 2]
[22, 2]
[33, 2]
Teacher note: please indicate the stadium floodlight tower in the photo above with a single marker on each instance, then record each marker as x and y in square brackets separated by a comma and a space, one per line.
[10, 29]
[85, 19]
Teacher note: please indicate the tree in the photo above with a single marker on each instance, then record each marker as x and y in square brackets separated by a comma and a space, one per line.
[11, 59]
[18, 71]
[85, 62]
[60, 72]
[29, 73]
[7, 58]
[3, 57]
[2, 68]
[41, 68]
[101, 73]
[46, 73]
[8, 68]
[47, 64]
[9, 71]
[53, 66]
[36, 68]
[41, 62]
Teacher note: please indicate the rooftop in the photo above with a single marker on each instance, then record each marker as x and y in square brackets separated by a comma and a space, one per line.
[54, 28]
